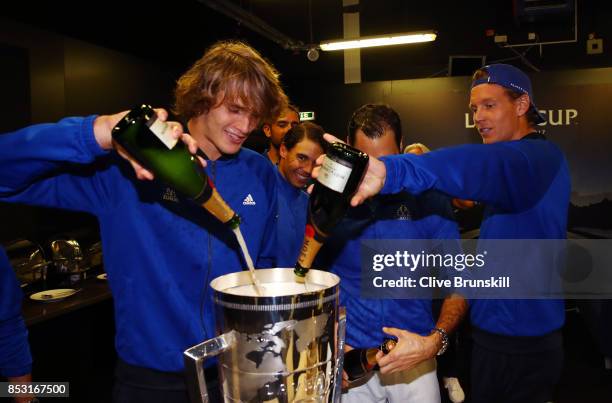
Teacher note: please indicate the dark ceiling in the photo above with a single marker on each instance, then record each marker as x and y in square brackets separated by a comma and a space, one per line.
[173, 34]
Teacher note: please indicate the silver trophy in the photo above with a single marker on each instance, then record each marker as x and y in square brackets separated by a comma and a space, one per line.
[284, 344]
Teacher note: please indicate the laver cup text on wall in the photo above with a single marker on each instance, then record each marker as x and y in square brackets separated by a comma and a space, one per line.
[554, 117]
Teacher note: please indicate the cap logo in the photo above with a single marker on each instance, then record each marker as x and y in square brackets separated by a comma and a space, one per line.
[517, 87]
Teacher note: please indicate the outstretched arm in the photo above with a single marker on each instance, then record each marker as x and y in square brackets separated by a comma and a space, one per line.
[40, 151]
[511, 175]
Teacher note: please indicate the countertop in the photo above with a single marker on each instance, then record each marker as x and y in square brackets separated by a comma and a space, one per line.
[92, 292]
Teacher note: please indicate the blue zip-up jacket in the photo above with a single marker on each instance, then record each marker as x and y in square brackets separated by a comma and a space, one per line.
[401, 216]
[290, 221]
[525, 186]
[160, 252]
[15, 356]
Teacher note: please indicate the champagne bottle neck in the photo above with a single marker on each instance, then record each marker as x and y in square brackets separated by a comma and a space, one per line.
[234, 222]
[310, 248]
[358, 362]
[387, 345]
[219, 208]
[370, 358]
[300, 273]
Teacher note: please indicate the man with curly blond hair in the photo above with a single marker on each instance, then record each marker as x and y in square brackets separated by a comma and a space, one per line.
[160, 251]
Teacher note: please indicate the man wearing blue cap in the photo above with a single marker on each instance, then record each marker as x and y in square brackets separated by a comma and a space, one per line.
[523, 181]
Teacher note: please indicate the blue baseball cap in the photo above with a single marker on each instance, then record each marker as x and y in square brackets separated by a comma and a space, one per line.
[512, 78]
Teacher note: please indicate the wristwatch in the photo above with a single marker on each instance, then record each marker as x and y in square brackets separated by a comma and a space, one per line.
[444, 335]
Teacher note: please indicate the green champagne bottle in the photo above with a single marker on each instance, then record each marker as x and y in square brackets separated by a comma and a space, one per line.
[147, 139]
[338, 179]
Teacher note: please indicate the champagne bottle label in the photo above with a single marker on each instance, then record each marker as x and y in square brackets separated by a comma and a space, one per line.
[334, 175]
[162, 131]
[175, 167]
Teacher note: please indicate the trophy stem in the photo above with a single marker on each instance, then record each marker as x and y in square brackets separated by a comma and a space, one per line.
[340, 357]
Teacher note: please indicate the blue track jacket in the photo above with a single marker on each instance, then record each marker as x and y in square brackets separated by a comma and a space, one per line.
[15, 357]
[160, 252]
[290, 221]
[400, 216]
[525, 186]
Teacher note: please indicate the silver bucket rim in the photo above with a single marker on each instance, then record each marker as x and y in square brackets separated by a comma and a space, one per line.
[273, 275]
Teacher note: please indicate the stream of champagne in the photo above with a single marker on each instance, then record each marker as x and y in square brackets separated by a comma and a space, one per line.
[249, 261]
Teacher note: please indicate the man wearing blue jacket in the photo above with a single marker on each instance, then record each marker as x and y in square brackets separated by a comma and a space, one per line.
[15, 356]
[299, 150]
[160, 251]
[523, 181]
[408, 373]
[276, 130]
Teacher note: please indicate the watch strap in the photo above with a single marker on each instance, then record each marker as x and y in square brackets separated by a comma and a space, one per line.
[444, 335]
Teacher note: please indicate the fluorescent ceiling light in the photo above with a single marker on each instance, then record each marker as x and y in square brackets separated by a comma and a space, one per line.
[381, 40]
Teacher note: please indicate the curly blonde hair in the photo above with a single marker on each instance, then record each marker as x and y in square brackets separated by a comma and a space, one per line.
[230, 71]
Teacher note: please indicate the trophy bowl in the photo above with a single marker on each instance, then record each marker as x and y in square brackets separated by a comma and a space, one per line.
[281, 343]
